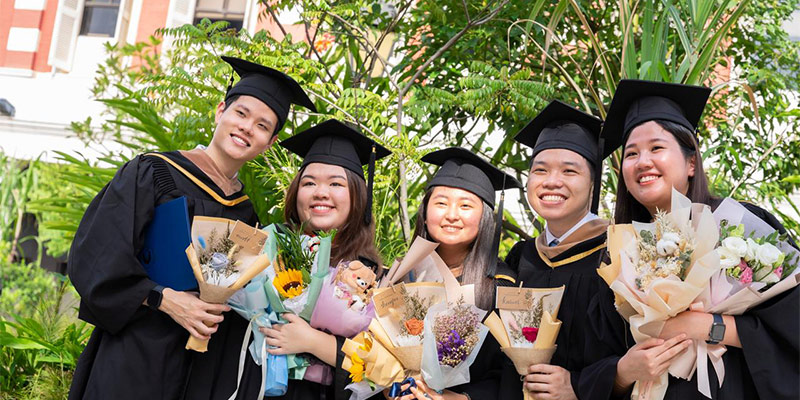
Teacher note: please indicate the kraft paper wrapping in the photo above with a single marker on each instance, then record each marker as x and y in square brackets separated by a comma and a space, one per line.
[543, 348]
[409, 356]
[380, 366]
[218, 294]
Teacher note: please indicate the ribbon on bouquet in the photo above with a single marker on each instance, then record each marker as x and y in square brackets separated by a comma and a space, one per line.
[397, 388]
[684, 366]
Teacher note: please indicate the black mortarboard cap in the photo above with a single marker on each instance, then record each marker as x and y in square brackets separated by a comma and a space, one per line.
[274, 88]
[636, 102]
[463, 169]
[561, 126]
[333, 142]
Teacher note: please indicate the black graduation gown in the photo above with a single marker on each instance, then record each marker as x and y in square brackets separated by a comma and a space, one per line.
[766, 367]
[578, 273]
[135, 352]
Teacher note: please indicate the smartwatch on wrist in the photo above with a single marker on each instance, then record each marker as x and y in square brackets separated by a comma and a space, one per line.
[717, 332]
[154, 297]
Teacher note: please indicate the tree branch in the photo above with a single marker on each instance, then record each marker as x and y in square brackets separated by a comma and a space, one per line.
[471, 24]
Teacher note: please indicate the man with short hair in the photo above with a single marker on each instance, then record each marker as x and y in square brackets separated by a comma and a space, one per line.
[137, 348]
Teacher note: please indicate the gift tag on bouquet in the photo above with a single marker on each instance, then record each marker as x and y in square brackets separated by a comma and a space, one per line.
[250, 239]
[389, 298]
[520, 298]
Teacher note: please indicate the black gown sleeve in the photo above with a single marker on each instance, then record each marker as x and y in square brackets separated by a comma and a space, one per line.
[341, 377]
[606, 342]
[773, 329]
[102, 261]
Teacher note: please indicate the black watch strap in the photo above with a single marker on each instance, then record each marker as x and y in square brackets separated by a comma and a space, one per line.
[717, 331]
[154, 297]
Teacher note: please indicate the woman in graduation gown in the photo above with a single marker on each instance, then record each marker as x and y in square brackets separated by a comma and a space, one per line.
[563, 188]
[329, 192]
[457, 212]
[136, 350]
[657, 123]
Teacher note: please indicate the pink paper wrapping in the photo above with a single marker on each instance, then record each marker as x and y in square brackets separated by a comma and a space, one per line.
[332, 314]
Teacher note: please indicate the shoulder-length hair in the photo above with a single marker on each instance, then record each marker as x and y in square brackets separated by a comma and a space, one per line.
[629, 209]
[354, 239]
[479, 258]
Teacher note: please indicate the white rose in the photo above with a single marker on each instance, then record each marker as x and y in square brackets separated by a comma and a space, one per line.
[736, 244]
[666, 247]
[768, 254]
[728, 258]
[752, 249]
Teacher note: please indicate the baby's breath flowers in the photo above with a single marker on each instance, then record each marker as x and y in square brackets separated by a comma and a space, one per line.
[456, 332]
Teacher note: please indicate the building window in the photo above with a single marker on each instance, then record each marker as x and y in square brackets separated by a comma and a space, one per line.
[231, 11]
[100, 18]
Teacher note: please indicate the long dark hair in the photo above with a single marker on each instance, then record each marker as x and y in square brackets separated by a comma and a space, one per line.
[628, 209]
[479, 257]
[354, 239]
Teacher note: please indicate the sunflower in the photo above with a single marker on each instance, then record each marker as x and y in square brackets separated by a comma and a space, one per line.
[357, 369]
[289, 283]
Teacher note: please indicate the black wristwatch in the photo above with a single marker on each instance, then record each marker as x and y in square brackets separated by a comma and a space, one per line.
[154, 297]
[717, 332]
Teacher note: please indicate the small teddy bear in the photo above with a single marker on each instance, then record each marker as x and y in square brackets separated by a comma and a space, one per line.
[354, 282]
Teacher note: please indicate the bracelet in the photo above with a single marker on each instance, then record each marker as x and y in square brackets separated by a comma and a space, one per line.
[467, 394]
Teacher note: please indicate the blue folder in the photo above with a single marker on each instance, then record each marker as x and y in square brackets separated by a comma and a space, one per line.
[165, 241]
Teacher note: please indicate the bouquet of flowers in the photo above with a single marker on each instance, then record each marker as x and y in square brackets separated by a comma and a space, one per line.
[220, 265]
[400, 313]
[453, 334]
[300, 265]
[371, 365]
[658, 269]
[757, 264]
[527, 327]
[346, 307]
[293, 283]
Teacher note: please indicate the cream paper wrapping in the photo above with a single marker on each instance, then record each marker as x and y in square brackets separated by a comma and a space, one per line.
[646, 311]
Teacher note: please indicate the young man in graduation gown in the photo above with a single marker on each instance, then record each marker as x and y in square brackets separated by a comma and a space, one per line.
[761, 358]
[563, 188]
[137, 348]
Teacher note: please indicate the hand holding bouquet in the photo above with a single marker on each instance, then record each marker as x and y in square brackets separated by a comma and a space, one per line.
[757, 264]
[221, 266]
[453, 334]
[658, 269]
[526, 329]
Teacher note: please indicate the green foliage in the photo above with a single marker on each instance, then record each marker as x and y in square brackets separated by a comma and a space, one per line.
[24, 285]
[459, 72]
[39, 352]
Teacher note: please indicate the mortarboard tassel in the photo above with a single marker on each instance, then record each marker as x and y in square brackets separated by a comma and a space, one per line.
[370, 179]
[230, 84]
[498, 231]
[598, 176]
